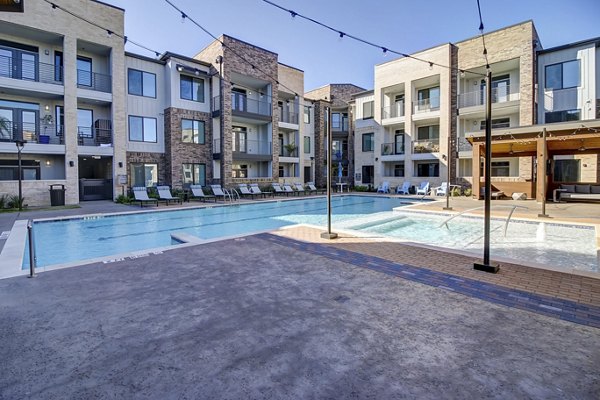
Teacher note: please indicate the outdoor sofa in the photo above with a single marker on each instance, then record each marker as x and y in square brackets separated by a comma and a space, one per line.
[577, 192]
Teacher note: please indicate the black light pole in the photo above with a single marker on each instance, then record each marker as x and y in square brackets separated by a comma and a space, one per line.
[329, 234]
[485, 265]
[219, 60]
[448, 165]
[544, 177]
[20, 144]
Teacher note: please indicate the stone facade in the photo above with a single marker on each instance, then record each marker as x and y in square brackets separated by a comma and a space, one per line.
[178, 152]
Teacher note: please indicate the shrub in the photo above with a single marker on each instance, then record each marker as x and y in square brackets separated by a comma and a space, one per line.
[13, 201]
[468, 192]
[360, 188]
[122, 199]
[456, 192]
[3, 201]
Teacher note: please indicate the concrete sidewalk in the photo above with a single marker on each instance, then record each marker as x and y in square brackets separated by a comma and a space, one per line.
[252, 319]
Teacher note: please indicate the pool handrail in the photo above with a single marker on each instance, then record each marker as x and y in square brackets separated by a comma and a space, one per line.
[512, 207]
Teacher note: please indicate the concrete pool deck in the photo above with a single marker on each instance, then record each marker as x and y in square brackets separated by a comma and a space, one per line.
[259, 317]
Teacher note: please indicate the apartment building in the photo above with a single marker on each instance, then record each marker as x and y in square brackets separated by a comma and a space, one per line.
[337, 97]
[365, 132]
[62, 94]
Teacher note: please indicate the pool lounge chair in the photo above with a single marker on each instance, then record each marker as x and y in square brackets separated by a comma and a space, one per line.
[141, 195]
[254, 188]
[299, 188]
[164, 194]
[289, 190]
[219, 192]
[278, 190]
[384, 188]
[245, 191]
[404, 189]
[441, 190]
[313, 188]
[423, 189]
[198, 194]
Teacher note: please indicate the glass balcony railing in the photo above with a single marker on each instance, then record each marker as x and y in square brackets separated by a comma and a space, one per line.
[426, 146]
[424, 105]
[94, 81]
[30, 71]
[500, 94]
[289, 117]
[393, 148]
[394, 111]
[257, 147]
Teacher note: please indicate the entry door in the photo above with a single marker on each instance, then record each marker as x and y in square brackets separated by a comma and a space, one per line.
[239, 139]
[307, 174]
[399, 142]
[29, 123]
[238, 99]
[18, 124]
[368, 173]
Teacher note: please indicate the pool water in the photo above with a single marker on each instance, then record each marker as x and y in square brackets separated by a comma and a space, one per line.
[84, 238]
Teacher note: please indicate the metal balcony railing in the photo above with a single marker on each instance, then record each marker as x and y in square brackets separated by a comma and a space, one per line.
[30, 133]
[500, 94]
[241, 103]
[342, 127]
[393, 111]
[94, 81]
[463, 144]
[393, 148]
[289, 117]
[426, 146]
[30, 71]
[430, 104]
[291, 152]
[216, 146]
[258, 147]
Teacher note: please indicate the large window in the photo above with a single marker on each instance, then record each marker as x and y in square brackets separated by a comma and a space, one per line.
[563, 75]
[84, 71]
[500, 168]
[563, 116]
[239, 170]
[336, 121]
[427, 169]
[306, 144]
[85, 120]
[194, 174]
[496, 123]
[399, 169]
[431, 132]
[428, 99]
[142, 129]
[141, 83]
[191, 88]
[368, 143]
[9, 170]
[306, 115]
[566, 170]
[144, 174]
[192, 131]
[368, 109]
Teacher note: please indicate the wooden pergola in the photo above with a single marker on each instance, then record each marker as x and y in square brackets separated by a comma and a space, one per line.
[565, 138]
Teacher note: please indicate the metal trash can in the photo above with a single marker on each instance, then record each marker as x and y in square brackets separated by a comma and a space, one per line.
[57, 195]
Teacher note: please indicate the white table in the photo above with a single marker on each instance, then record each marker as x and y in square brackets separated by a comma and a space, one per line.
[341, 187]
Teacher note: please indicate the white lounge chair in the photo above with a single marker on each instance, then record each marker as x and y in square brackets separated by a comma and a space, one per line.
[164, 194]
[141, 194]
[277, 189]
[219, 192]
[254, 188]
[198, 193]
[404, 189]
[441, 190]
[245, 191]
[313, 188]
[288, 189]
[423, 189]
[299, 188]
[384, 188]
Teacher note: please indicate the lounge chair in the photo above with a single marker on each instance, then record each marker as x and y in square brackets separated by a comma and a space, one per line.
[313, 188]
[141, 195]
[254, 188]
[299, 188]
[289, 190]
[164, 194]
[441, 190]
[219, 192]
[423, 189]
[384, 188]
[245, 191]
[277, 189]
[404, 189]
[198, 194]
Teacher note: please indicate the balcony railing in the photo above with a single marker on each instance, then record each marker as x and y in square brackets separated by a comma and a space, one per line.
[216, 103]
[393, 148]
[241, 103]
[426, 146]
[393, 111]
[289, 117]
[285, 152]
[257, 147]
[464, 145]
[29, 132]
[500, 94]
[424, 105]
[342, 127]
[94, 81]
[216, 146]
[30, 71]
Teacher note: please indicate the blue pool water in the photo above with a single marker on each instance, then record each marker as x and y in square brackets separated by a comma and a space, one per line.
[91, 237]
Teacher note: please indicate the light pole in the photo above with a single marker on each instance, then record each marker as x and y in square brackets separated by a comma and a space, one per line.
[329, 234]
[20, 144]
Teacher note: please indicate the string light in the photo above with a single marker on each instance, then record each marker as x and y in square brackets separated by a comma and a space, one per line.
[485, 52]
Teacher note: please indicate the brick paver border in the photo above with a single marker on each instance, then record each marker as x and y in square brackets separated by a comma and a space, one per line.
[567, 310]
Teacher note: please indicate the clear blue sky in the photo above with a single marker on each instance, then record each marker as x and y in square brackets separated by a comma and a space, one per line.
[403, 25]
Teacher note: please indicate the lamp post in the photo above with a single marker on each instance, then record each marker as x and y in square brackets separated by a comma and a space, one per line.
[544, 177]
[329, 234]
[485, 265]
[20, 144]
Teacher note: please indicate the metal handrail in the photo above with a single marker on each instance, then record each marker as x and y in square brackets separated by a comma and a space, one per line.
[32, 256]
[31, 71]
[513, 208]
[94, 81]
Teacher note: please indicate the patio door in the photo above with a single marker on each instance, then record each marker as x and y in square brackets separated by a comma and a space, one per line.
[239, 139]
[238, 99]
[18, 123]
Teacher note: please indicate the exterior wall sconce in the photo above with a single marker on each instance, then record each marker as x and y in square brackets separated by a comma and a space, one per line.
[180, 68]
[120, 164]
[48, 162]
[71, 163]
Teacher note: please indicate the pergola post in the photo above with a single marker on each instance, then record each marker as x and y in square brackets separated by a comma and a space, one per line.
[540, 184]
[476, 186]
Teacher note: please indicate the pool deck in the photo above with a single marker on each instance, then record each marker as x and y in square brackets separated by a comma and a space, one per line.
[287, 314]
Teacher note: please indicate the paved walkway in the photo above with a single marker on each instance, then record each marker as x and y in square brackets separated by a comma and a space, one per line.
[250, 318]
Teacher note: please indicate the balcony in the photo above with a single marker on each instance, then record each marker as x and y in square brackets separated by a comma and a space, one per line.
[340, 127]
[98, 135]
[394, 111]
[252, 150]
[426, 146]
[393, 148]
[29, 132]
[289, 117]
[289, 150]
[464, 145]
[426, 105]
[500, 94]
[94, 81]
[30, 71]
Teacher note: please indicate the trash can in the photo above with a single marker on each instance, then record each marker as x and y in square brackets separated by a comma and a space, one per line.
[57, 195]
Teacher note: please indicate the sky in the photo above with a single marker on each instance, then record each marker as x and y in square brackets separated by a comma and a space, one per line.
[403, 25]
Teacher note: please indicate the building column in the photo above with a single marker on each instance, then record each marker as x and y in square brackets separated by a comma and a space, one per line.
[119, 127]
[476, 187]
[70, 127]
[541, 169]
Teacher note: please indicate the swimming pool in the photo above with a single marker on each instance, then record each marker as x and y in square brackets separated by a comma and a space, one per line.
[69, 240]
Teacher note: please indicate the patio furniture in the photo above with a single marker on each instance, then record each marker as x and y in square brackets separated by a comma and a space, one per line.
[219, 192]
[577, 192]
[141, 194]
[313, 188]
[404, 189]
[299, 188]
[164, 194]
[254, 188]
[423, 188]
[245, 191]
[198, 194]
[277, 189]
[384, 188]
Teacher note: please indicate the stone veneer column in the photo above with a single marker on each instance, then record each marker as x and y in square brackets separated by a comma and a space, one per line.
[70, 128]
[119, 131]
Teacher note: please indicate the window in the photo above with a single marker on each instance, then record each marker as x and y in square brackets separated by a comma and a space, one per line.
[368, 172]
[58, 66]
[194, 174]
[9, 170]
[144, 175]
[428, 132]
[368, 109]
[427, 169]
[281, 171]
[336, 120]
[428, 99]
[142, 129]
[563, 116]
[191, 88]
[239, 171]
[563, 75]
[84, 123]
[306, 115]
[368, 143]
[141, 83]
[399, 169]
[306, 144]
[500, 168]
[566, 170]
[84, 71]
[496, 123]
[192, 131]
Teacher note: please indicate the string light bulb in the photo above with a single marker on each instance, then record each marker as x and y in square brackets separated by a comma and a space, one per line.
[183, 17]
[384, 51]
